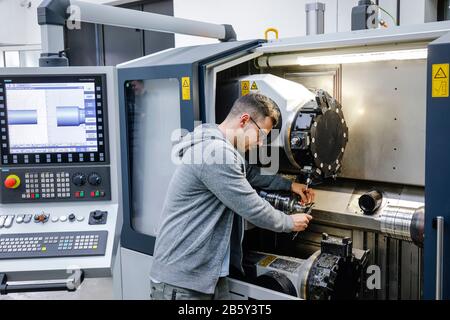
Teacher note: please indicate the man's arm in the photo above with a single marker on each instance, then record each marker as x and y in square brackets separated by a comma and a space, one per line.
[267, 182]
[228, 183]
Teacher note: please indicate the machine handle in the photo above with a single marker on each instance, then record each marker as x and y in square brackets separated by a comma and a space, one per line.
[266, 33]
[439, 257]
[64, 285]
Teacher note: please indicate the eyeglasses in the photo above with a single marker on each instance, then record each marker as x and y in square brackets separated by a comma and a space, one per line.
[262, 135]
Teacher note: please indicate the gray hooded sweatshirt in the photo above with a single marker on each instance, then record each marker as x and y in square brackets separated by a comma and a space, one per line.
[198, 217]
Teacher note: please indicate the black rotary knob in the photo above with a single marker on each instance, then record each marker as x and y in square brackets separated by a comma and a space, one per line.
[72, 217]
[94, 179]
[98, 215]
[79, 179]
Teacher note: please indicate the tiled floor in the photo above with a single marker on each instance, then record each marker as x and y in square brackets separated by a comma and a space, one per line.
[91, 289]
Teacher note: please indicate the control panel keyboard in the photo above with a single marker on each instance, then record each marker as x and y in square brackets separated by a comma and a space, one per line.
[21, 185]
[54, 244]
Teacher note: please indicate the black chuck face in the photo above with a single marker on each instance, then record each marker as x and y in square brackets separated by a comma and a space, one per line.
[318, 137]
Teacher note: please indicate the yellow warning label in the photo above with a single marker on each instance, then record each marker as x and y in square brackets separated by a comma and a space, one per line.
[254, 86]
[186, 88]
[266, 261]
[245, 88]
[439, 79]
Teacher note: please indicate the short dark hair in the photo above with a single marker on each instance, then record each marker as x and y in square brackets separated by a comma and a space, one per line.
[257, 106]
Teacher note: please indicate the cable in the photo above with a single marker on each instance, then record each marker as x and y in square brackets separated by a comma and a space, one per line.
[392, 17]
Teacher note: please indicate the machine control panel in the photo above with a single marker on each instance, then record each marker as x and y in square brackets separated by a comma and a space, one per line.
[54, 244]
[55, 184]
[58, 171]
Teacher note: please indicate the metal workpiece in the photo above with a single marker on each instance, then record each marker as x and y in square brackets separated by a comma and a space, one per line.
[403, 223]
[287, 203]
[370, 201]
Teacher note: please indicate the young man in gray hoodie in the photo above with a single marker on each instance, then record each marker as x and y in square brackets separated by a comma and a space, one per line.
[209, 196]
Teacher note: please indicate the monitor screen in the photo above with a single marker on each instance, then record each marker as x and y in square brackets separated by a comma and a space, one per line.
[52, 119]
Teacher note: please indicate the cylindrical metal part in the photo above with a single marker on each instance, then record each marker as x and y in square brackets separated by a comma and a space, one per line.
[315, 21]
[70, 116]
[403, 223]
[114, 16]
[285, 203]
[370, 201]
[22, 117]
[439, 257]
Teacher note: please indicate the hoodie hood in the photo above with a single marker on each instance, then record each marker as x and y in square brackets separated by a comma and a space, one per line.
[200, 134]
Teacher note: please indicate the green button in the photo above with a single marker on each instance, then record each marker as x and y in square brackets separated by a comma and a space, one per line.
[81, 193]
[36, 195]
[97, 193]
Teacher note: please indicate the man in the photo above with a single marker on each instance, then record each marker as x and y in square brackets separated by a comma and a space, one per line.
[206, 200]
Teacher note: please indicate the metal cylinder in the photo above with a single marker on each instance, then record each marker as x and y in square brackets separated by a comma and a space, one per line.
[403, 223]
[315, 21]
[370, 201]
[70, 116]
[22, 117]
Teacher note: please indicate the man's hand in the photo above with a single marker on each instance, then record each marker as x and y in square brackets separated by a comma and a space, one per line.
[307, 195]
[301, 221]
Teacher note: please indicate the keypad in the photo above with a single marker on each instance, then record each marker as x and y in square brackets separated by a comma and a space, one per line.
[47, 185]
[62, 244]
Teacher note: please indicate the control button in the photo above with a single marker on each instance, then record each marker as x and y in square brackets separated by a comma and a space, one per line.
[79, 179]
[20, 218]
[63, 218]
[97, 215]
[27, 218]
[80, 218]
[79, 194]
[2, 220]
[55, 219]
[94, 179]
[71, 217]
[12, 182]
[8, 221]
[41, 218]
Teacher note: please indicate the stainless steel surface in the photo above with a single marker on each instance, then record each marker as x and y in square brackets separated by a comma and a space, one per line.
[337, 203]
[115, 16]
[384, 105]
[439, 257]
[385, 109]
[408, 33]
[315, 22]
[396, 222]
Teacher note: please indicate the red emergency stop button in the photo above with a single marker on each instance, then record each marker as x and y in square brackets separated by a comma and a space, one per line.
[12, 181]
